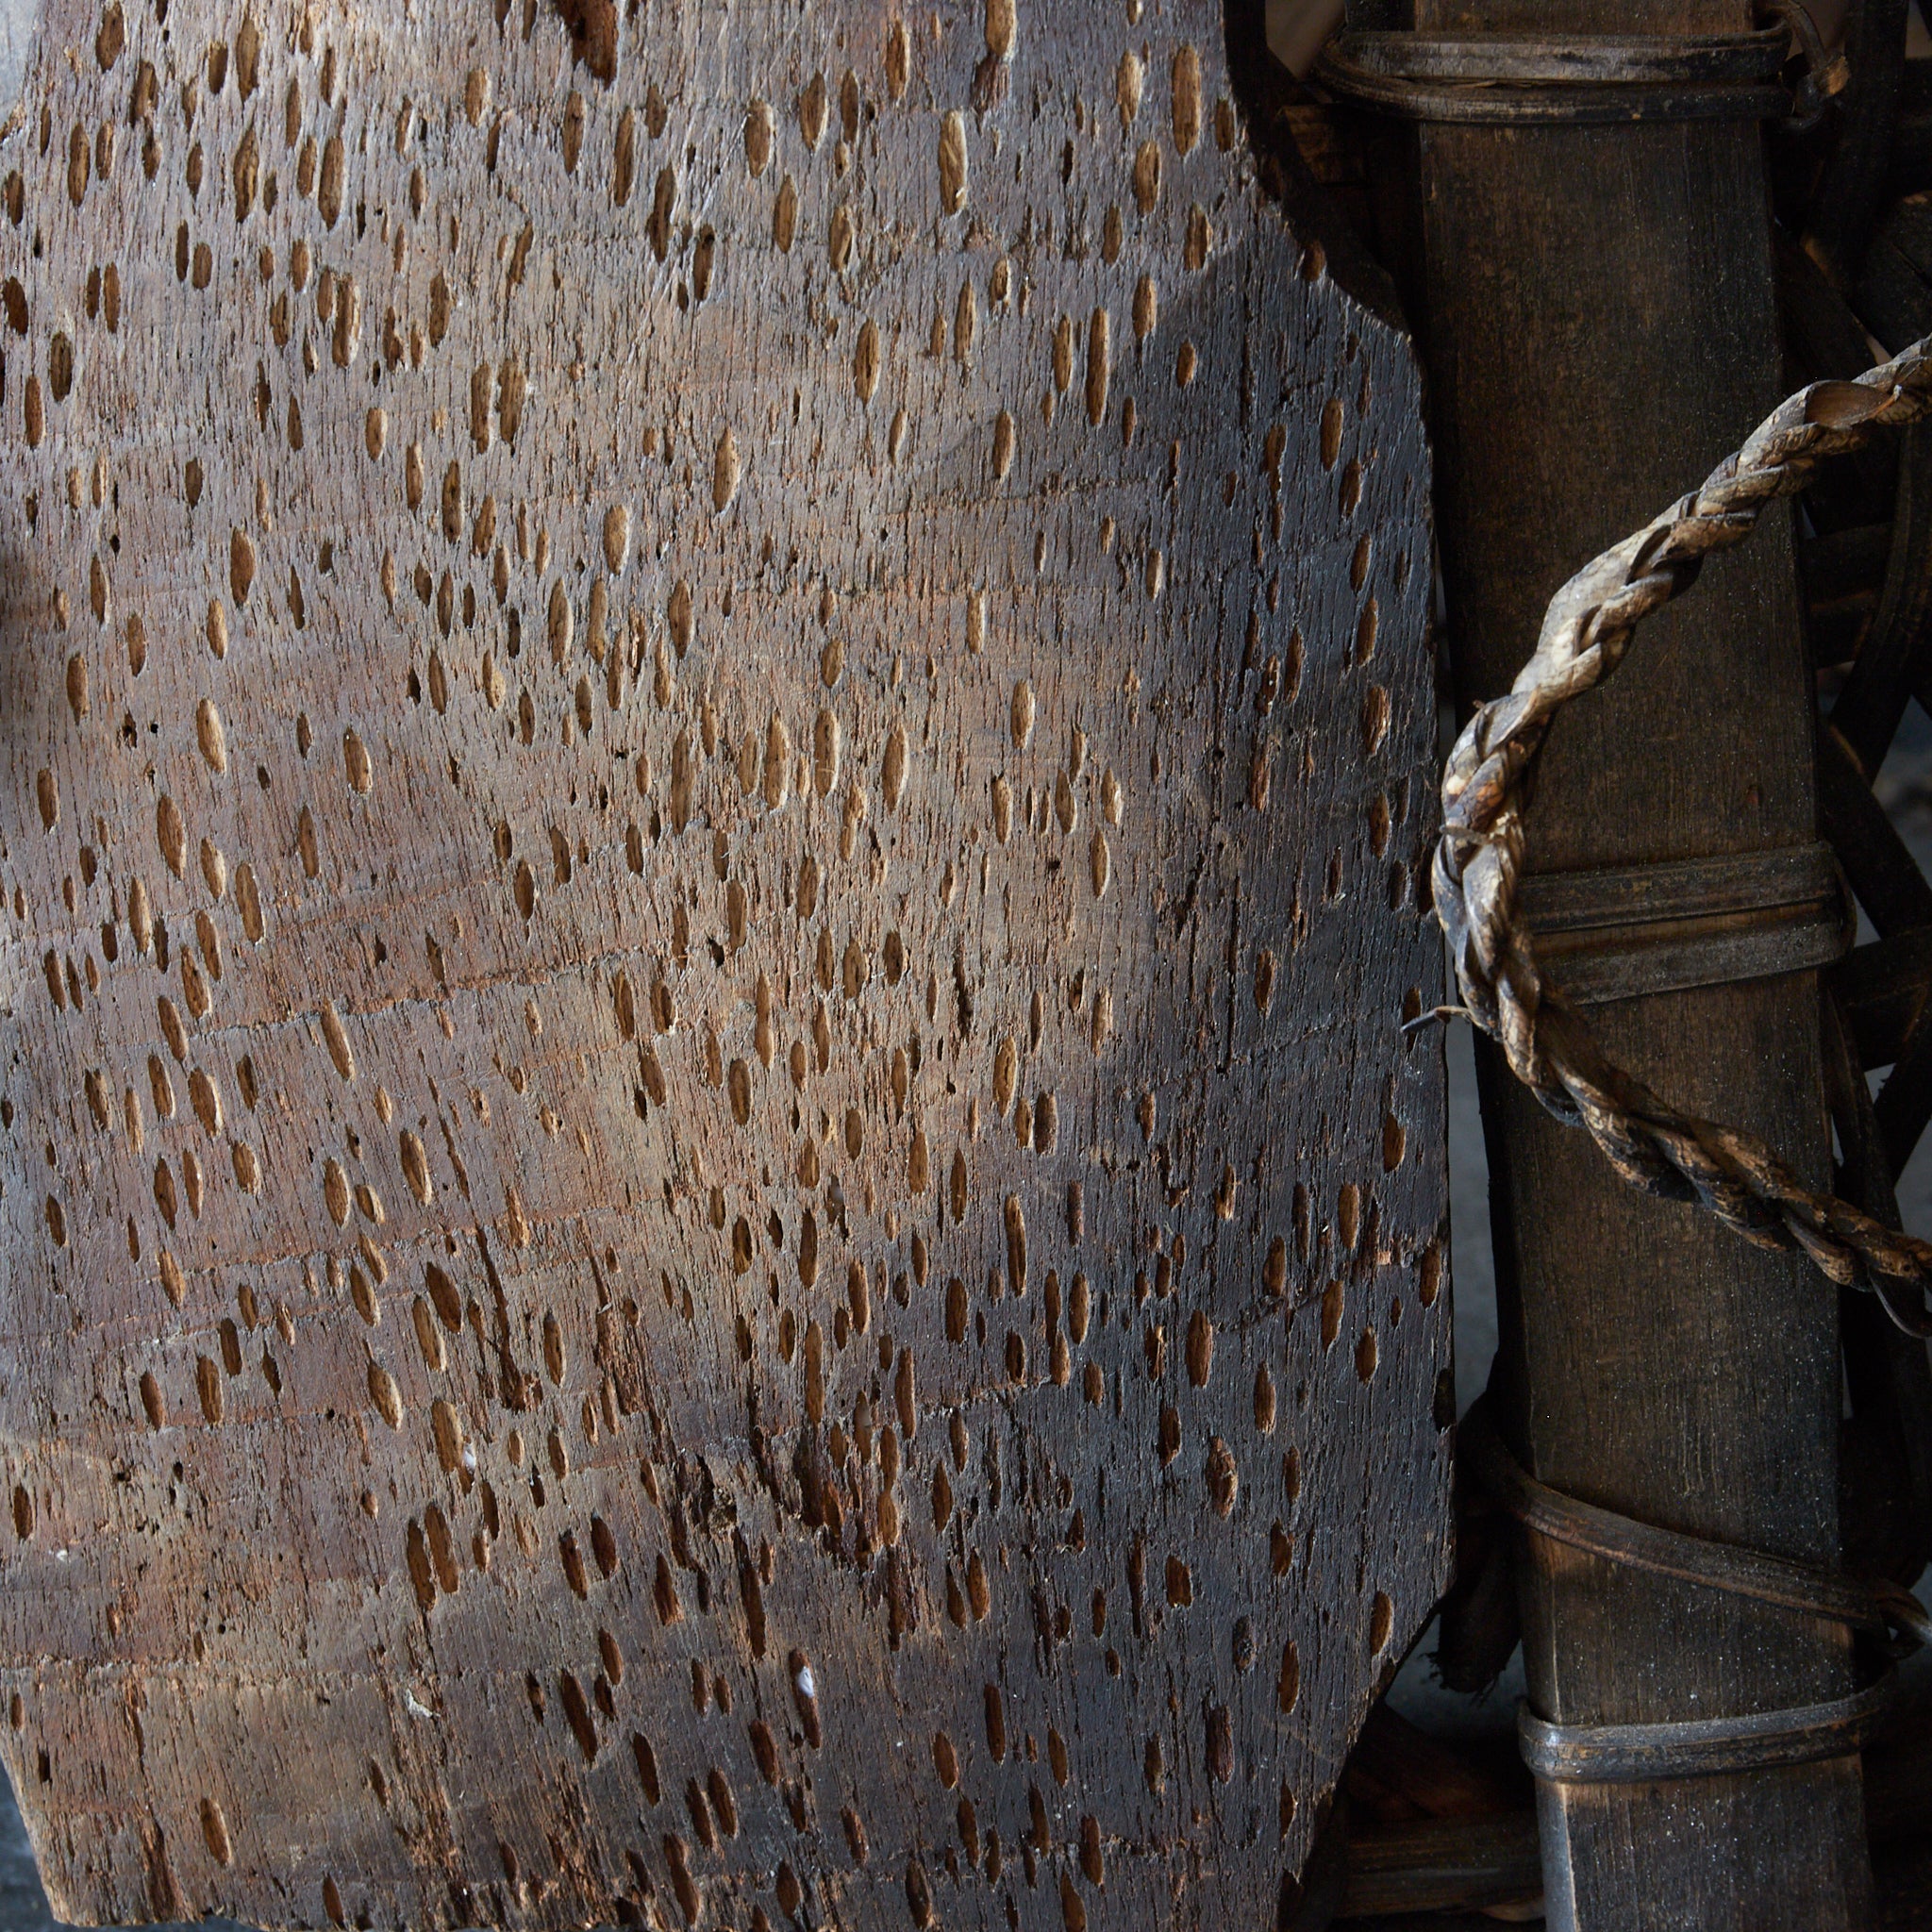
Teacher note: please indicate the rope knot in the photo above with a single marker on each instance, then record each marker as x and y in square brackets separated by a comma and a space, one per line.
[1480, 855]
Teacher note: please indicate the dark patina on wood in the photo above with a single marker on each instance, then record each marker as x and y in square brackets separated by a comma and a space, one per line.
[716, 754]
[1598, 315]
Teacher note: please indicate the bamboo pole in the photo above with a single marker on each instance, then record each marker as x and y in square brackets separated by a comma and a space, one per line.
[1597, 313]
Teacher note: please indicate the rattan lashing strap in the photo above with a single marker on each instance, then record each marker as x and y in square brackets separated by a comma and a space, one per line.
[1519, 78]
[1623, 932]
[1702, 1746]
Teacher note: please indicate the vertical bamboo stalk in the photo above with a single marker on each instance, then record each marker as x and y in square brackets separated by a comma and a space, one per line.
[1596, 306]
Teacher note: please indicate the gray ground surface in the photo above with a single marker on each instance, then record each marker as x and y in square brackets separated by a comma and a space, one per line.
[1473, 1282]
[16, 25]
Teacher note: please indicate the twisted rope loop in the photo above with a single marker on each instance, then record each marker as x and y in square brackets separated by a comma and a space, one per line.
[1479, 858]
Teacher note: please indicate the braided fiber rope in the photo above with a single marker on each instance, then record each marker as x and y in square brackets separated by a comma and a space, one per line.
[1479, 859]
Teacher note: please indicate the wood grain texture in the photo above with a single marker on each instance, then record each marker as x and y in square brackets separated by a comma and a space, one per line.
[716, 745]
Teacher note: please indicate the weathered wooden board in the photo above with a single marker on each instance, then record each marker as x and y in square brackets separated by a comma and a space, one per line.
[714, 739]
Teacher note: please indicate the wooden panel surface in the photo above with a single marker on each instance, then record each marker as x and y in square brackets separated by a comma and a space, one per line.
[714, 749]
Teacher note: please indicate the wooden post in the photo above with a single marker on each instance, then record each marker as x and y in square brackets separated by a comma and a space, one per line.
[1597, 309]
